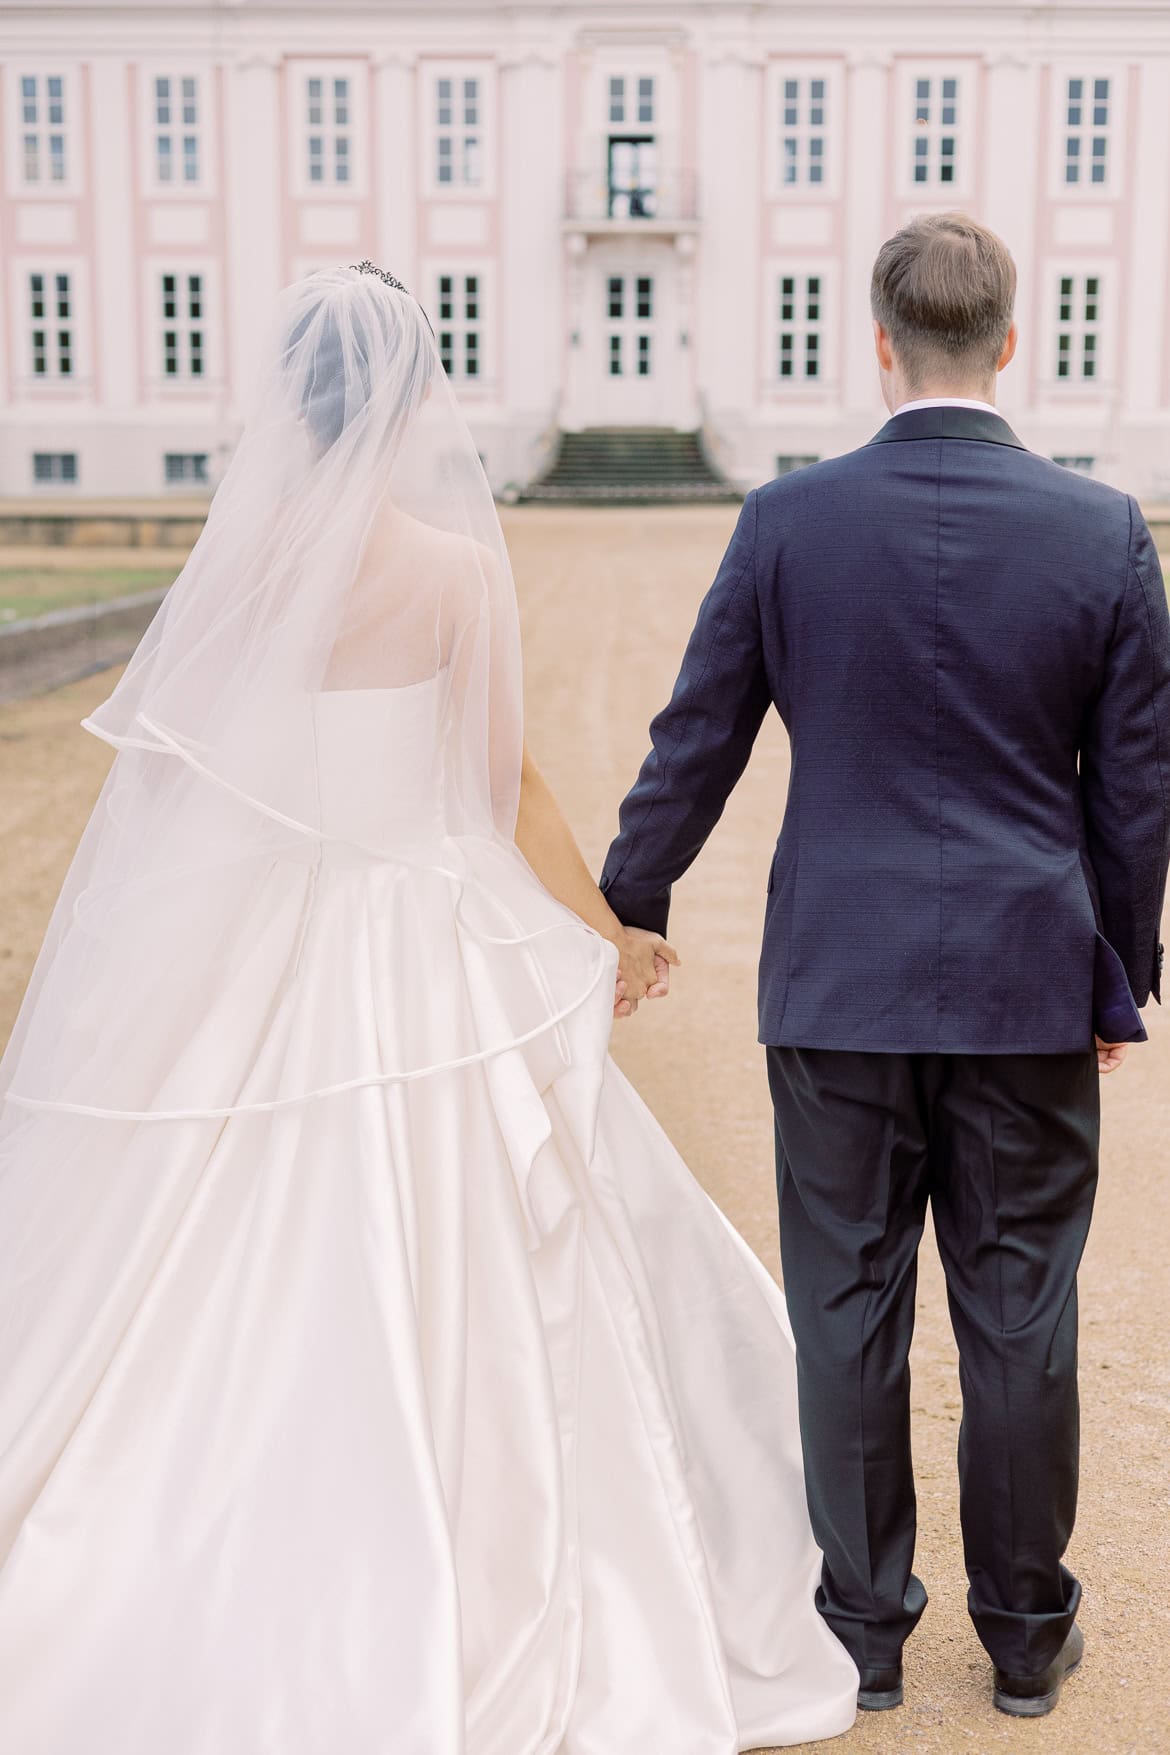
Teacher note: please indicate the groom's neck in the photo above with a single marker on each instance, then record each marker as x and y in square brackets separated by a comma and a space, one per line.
[983, 391]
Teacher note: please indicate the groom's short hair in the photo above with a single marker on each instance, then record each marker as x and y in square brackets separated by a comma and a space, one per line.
[943, 289]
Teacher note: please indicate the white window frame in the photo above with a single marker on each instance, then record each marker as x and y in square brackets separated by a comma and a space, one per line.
[962, 131]
[1115, 130]
[460, 268]
[185, 484]
[355, 128]
[430, 73]
[181, 385]
[801, 269]
[44, 67]
[1102, 328]
[55, 484]
[804, 72]
[204, 129]
[50, 384]
[634, 100]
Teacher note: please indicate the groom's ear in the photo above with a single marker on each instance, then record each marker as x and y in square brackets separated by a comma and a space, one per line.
[1009, 348]
[881, 343]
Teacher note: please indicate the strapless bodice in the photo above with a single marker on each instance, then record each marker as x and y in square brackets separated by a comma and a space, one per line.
[379, 762]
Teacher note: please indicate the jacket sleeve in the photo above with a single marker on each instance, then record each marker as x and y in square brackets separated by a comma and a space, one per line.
[1125, 769]
[701, 742]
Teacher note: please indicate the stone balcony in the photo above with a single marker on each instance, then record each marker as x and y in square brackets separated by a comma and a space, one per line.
[599, 207]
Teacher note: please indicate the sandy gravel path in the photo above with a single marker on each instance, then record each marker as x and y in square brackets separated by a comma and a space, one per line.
[608, 598]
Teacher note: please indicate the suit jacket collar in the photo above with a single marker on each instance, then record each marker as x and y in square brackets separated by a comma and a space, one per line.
[948, 423]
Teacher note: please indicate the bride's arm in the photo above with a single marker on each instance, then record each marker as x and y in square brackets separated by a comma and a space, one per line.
[546, 841]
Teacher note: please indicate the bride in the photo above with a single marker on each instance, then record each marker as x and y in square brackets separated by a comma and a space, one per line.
[374, 1378]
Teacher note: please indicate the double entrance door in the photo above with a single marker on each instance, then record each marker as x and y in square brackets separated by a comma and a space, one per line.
[631, 367]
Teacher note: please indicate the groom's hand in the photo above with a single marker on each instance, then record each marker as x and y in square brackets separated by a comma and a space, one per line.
[1110, 1055]
[644, 964]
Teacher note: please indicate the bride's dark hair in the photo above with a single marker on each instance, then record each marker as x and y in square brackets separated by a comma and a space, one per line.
[362, 315]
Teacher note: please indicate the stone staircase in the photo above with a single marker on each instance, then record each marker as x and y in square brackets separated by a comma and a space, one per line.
[630, 466]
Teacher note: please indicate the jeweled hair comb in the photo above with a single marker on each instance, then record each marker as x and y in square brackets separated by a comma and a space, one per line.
[372, 268]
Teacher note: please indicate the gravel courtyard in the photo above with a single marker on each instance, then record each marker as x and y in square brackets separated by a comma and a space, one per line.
[608, 598]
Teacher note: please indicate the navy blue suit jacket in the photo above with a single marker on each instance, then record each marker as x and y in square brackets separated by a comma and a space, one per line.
[970, 648]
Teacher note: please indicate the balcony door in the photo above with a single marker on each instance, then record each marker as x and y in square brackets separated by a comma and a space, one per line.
[633, 177]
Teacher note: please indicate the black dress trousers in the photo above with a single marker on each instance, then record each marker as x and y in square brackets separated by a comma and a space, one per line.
[1004, 1148]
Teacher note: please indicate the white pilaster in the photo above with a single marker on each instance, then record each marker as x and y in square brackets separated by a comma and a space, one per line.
[531, 203]
[730, 196]
[253, 193]
[1014, 166]
[113, 194]
[1146, 270]
[396, 174]
[867, 176]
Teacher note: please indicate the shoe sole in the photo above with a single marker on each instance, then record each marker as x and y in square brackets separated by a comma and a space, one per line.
[1040, 1705]
[875, 1700]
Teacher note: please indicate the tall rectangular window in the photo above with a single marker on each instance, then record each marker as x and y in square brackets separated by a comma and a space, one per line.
[1087, 119]
[51, 324]
[43, 129]
[183, 328]
[800, 327]
[936, 135]
[459, 131]
[177, 121]
[803, 131]
[329, 133]
[1078, 328]
[460, 330]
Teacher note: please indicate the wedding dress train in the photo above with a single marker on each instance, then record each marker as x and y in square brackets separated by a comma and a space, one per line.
[433, 1414]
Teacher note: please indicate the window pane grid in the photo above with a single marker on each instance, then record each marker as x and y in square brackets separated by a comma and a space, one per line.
[803, 133]
[1078, 333]
[630, 309]
[55, 466]
[184, 340]
[460, 337]
[799, 336]
[1086, 132]
[186, 468]
[459, 131]
[177, 129]
[43, 139]
[50, 309]
[937, 121]
[328, 129]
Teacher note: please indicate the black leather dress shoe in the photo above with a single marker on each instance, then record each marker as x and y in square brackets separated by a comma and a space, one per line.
[880, 1689]
[1033, 1696]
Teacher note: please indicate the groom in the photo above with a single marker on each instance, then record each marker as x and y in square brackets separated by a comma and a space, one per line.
[970, 648]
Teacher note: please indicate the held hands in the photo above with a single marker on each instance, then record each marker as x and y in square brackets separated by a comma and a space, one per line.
[644, 964]
[1110, 1055]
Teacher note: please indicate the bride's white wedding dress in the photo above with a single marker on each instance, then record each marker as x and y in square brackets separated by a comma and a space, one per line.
[437, 1415]
[374, 1379]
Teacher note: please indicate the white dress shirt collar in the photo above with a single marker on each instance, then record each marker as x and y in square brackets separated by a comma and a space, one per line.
[946, 402]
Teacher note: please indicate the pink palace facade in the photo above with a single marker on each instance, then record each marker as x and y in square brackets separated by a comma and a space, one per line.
[648, 215]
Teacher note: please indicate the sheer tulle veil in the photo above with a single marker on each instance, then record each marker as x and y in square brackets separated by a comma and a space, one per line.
[353, 544]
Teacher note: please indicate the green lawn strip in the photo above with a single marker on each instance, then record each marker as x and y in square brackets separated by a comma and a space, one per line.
[26, 592]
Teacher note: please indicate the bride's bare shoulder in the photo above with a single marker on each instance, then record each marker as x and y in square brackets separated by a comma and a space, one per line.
[447, 557]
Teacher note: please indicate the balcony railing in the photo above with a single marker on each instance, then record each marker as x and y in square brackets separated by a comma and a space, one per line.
[669, 198]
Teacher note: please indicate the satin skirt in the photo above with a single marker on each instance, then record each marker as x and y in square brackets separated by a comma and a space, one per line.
[439, 1416]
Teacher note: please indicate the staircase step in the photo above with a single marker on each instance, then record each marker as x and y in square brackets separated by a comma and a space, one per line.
[630, 465]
